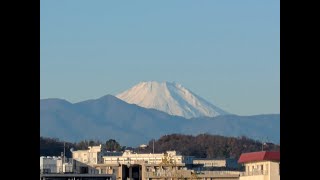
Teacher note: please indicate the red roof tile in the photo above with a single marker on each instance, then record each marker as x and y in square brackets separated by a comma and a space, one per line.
[259, 156]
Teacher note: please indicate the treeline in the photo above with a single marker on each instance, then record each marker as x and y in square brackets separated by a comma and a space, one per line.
[54, 146]
[201, 146]
[207, 146]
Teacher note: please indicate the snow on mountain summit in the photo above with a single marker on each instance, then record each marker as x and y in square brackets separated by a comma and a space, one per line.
[171, 98]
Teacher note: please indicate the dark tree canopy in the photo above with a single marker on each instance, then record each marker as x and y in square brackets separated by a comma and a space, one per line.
[201, 146]
[54, 146]
[208, 146]
[113, 145]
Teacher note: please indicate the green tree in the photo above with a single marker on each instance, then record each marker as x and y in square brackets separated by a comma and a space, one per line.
[112, 145]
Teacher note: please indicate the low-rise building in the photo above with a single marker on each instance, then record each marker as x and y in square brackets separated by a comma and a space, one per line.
[85, 160]
[132, 158]
[93, 155]
[50, 164]
[134, 165]
[54, 164]
[263, 165]
[214, 164]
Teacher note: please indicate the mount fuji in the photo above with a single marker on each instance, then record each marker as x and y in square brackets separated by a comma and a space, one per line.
[171, 98]
[130, 124]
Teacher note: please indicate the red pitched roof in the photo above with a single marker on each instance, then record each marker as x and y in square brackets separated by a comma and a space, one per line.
[259, 156]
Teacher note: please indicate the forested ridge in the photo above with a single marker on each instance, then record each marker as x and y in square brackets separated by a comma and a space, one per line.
[209, 146]
[201, 146]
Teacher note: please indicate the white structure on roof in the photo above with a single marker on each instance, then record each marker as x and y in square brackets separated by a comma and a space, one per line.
[91, 156]
[84, 160]
[54, 165]
[50, 164]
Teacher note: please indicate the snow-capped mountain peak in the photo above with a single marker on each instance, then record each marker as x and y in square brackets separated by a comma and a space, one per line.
[171, 98]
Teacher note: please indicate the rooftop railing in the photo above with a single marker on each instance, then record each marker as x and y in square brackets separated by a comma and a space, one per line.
[254, 173]
[219, 172]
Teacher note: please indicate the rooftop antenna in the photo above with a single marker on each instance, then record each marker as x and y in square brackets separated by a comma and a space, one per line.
[264, 142]
[64, 152]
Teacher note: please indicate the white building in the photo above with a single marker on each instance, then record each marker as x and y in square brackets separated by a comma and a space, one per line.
[84, 160]
[136, 165]
[128, 157]
[54, 165]
[91, 156]
[261, 165]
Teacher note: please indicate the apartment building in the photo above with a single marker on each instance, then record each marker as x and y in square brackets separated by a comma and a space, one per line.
[263, 165]
[54, 164]
[93, 155]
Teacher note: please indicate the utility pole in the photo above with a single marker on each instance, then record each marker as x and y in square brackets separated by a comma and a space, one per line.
[64, 151]
[264, 142]
[153, 147]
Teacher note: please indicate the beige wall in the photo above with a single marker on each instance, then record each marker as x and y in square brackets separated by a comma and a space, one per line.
[91, 156]
[257, 166]
[257, 177]
[79, 165]
[134, 158]
[52, 163]
[103, 169]
[81, 156]
[274, 171]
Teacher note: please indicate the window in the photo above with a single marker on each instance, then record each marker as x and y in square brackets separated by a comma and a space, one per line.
[262, 167]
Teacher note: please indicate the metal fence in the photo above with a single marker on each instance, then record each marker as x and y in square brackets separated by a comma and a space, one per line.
[219, 172]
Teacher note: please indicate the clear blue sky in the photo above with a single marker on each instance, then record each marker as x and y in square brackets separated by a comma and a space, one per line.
[226, 51]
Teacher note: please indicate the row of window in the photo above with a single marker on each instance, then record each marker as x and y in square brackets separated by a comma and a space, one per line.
[257, 167]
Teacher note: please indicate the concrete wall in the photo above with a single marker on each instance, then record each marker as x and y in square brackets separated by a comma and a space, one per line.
[51, 164]
[134, 158]
[257, 177]
[274, 171]
[79, 167]
[91, 156]
[211, 162]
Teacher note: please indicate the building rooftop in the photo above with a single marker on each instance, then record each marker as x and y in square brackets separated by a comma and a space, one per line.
[259, 156]
[51, 157]
[211, 158]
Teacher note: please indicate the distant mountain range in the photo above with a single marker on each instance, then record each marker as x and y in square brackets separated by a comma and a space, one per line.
[109, 117]
[171, 98]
